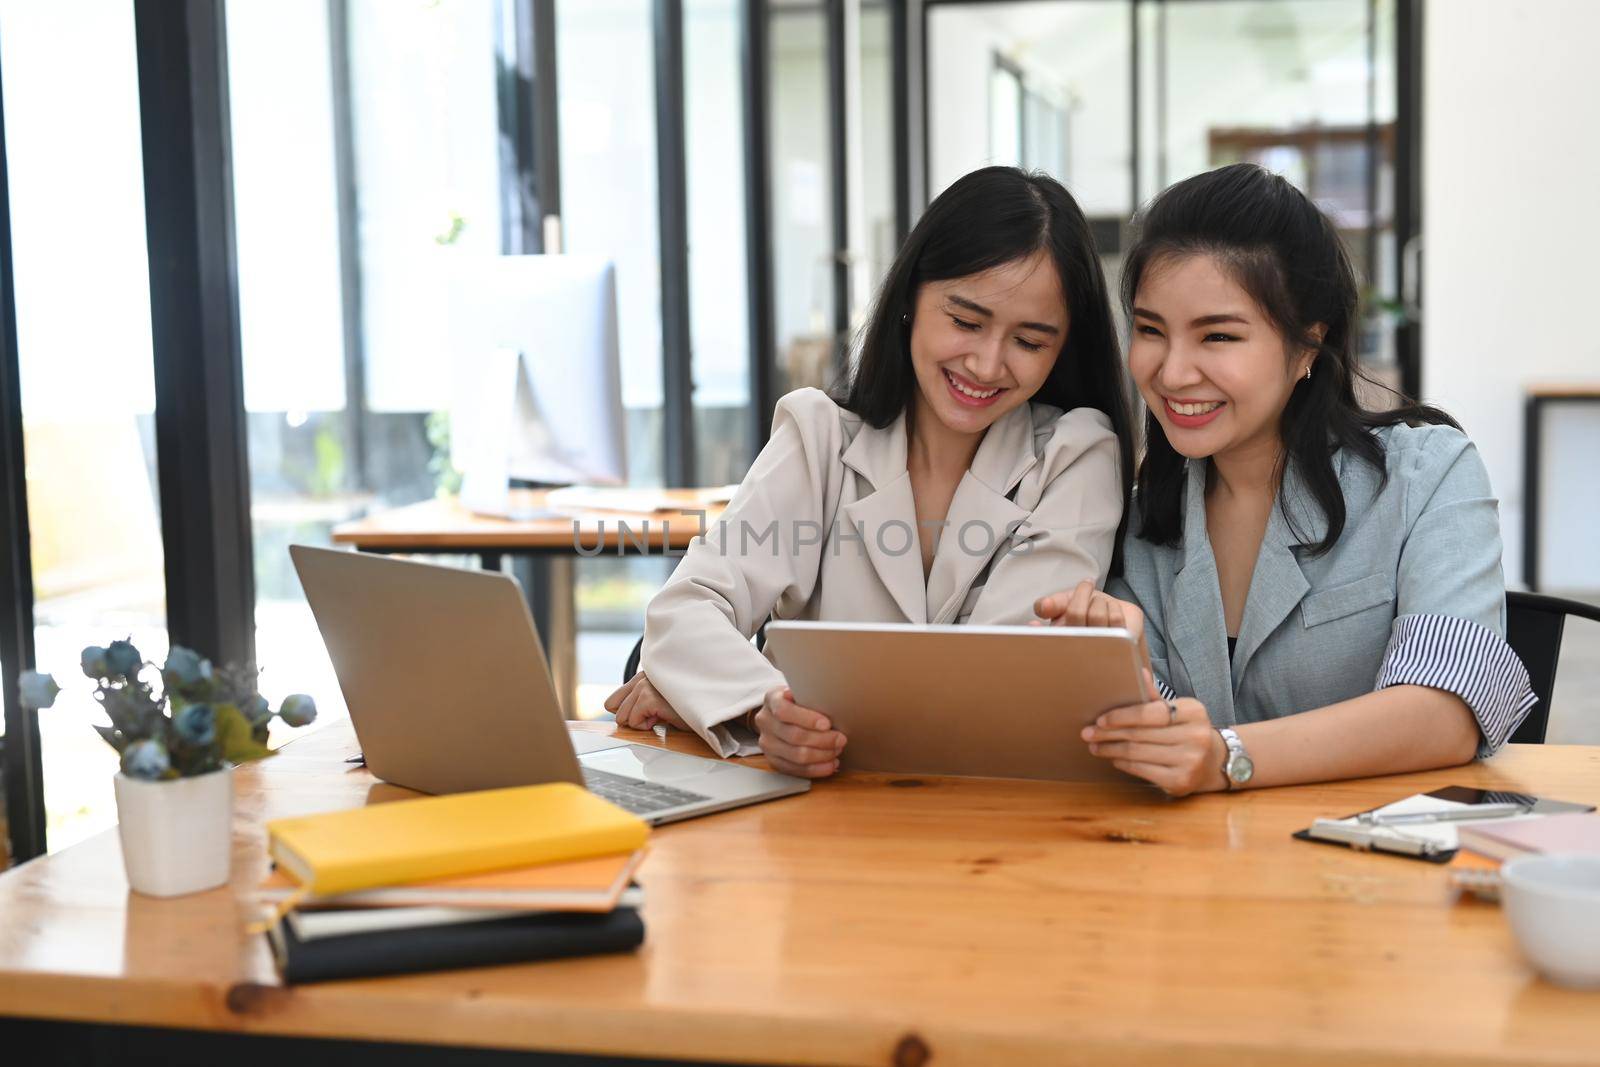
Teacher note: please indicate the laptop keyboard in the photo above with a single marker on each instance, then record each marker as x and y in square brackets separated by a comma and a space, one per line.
[635, 794]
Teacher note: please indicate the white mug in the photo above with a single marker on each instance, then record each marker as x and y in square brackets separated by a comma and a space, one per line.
[1553, 905]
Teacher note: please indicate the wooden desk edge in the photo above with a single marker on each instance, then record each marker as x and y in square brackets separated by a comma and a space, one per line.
[320, 1011]
[406, 1009]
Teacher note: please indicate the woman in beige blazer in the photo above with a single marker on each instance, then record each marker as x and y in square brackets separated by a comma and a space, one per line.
[982, 453]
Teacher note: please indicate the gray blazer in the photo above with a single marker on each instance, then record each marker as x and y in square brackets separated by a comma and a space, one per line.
[1411, 593]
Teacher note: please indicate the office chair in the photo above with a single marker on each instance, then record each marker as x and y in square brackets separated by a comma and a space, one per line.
[632, 666]
[1533, 630]
[1534, 623]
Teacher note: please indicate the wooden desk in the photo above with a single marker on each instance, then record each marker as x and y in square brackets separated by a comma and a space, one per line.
[542, 552]
[888, 921]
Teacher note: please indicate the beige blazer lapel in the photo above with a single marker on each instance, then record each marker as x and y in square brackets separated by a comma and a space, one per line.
[885, 519]
[981, 516]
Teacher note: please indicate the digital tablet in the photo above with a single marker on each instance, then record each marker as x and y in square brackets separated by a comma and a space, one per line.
[985, 701]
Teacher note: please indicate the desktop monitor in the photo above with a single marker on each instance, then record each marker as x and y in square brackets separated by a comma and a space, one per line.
[537, 379]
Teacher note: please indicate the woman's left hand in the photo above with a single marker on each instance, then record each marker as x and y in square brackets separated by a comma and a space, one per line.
[1173, 746]
[638, 705]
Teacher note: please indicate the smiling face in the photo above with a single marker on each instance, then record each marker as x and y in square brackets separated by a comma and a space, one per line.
[984, 344]
[1211, 367]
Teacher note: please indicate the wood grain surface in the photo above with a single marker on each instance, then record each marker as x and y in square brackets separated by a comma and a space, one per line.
[883, 920]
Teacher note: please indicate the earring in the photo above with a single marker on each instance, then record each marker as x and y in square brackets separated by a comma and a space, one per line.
[1308, 372]
[905, 319]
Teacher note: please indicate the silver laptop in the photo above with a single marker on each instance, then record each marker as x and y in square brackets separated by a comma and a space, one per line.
[449, 691]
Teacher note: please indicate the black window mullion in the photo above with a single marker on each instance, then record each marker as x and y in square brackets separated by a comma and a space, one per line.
[530, 172]
[547, 134]
[1408, 186]
[672, 193]
[24, 793]
[838, 148]
[758, 218]
[900, 115]
[202, 465]
[350, 283]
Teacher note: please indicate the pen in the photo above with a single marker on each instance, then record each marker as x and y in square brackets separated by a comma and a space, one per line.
[1475, 811]
[660, 730]
[1362, 839]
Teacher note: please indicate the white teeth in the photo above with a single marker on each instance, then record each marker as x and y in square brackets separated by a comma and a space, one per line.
[975, 394]
[1195, 409]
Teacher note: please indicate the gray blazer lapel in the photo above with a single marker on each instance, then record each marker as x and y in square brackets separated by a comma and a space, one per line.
[1277, 584]
[1198, 632]
[981, 508]
[886, 518]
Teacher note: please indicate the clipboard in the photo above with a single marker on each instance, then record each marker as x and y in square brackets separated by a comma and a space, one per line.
[1391, 842]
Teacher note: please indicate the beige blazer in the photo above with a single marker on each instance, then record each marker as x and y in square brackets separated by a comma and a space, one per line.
[824, 527]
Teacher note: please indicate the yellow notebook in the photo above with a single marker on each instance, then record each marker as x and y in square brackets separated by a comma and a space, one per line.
[441, 837]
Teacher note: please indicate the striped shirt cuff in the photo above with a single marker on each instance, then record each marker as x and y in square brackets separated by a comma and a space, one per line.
[1471, 661]
[1166, 691]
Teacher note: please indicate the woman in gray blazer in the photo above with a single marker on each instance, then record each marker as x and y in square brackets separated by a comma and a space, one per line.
[983, 452]
[1318, 585]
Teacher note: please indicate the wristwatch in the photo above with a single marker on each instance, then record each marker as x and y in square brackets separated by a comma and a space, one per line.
[1237, 768]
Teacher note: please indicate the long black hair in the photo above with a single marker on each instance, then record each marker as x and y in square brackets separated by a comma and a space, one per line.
[1285, 253]
[988, 218]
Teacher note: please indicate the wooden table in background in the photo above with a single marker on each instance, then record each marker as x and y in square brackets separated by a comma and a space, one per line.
[886, 920]
[541, 552]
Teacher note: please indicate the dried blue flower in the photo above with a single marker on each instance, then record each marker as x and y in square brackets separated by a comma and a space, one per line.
[185, 667]
[145, 759]
[256, 710]
[196, 725]
[132, 710]
[94, 662]
[123, 660]
[37, 690]
[298, 710]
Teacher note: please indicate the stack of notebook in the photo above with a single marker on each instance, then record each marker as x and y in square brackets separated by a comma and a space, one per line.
[501, 876]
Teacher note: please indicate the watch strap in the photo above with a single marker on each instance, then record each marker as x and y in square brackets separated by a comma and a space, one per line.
[1235, 749]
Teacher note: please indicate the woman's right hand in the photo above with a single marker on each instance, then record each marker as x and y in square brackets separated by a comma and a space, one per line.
[1087, 606]
[797, 740]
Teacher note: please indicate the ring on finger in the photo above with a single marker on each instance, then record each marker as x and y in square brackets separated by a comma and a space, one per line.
[1172, 713]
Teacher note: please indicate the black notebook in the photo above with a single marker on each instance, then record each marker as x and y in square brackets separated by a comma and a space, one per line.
[518, 939]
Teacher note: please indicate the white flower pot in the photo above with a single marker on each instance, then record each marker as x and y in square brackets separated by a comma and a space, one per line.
[177, 835]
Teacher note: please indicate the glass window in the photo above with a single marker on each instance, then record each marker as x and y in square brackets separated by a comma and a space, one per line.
[1005, 114]
[75, 166]
[877, 149]
[608, 190]
[1297, 102]
[1055, 76]
[425, 124]
[719, 303]
[335, 433]
[802, 208]
[1043, 85]
[609, 207]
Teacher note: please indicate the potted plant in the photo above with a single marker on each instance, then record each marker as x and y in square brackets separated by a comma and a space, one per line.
[179, 747]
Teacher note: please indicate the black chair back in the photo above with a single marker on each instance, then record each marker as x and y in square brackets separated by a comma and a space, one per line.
[1534, 623]
[631, 668]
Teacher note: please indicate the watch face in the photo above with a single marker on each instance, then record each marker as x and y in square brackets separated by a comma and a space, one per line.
[1240, 768]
